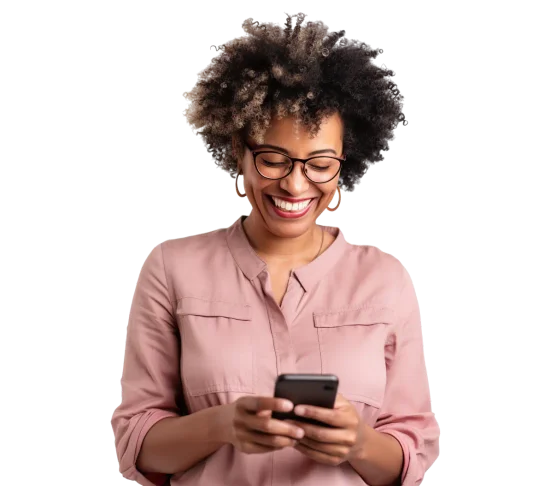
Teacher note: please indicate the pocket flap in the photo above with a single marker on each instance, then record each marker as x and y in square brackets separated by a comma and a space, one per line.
[201, 307]
[363, 316]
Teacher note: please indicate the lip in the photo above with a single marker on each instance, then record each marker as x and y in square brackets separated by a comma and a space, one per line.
[286, 214]
[291, 199]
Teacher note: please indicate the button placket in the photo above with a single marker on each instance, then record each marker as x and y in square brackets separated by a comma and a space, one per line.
[291, 300]
[279, 325]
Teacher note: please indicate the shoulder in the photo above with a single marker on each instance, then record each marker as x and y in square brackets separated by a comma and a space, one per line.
[189, 265]
[189, 252]
[372, 259]
[385, 279]
[363, 275]
[193, 246]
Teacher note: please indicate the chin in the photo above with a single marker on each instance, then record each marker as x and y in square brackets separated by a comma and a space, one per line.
[287, 230]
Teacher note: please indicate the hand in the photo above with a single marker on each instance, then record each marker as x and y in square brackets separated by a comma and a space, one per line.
[331, 446]
[254, 431]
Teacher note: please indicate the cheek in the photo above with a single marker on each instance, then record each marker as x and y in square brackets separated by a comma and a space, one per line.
[327, 196]
[255, 190]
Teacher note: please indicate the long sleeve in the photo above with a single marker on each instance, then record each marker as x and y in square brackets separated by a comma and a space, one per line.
[151, 382]
[406, 412]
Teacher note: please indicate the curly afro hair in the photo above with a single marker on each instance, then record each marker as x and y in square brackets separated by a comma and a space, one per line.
[300, 71]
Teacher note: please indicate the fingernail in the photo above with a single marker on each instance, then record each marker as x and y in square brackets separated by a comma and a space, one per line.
[299, 434]
[288, 406]
[300, 410]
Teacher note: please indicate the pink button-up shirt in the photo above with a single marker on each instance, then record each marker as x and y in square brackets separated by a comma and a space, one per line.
[204, 329]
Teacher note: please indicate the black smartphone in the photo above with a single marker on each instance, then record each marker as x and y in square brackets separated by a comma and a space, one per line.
[307, 389]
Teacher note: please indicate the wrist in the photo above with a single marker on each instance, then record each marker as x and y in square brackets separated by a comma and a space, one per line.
[366, 441]
[221, 427]
[379, 458]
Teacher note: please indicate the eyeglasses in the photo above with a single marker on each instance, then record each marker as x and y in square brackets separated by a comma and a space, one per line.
[275, 165]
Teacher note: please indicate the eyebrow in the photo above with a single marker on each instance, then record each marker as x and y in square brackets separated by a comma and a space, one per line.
[281, 149]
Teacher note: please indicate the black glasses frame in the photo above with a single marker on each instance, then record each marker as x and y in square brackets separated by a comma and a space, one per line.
[293, 160]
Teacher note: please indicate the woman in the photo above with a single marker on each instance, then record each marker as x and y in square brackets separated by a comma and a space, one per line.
[217, 317]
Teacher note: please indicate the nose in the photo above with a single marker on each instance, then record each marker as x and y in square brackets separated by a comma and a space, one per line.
[296, 182]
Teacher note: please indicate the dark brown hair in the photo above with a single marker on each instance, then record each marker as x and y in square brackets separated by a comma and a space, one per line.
[301, 71]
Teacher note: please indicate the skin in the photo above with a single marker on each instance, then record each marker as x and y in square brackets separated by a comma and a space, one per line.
[285, 244]
[377, 457]
[289, 243]
[247, 423]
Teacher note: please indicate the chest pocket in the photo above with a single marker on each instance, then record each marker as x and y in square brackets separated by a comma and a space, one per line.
[217, 346]
[352, 346]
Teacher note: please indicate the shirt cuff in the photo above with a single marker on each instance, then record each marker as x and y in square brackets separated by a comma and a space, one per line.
[146, 479]
[408, 476]
[135, 446]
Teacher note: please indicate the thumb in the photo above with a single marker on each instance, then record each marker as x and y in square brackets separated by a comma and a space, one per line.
[341, 401]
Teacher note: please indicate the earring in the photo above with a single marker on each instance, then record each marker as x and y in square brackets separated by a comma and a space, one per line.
[237, 190]
[333, 209]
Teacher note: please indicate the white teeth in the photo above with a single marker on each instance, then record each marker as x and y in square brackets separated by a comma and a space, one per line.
[287, 206]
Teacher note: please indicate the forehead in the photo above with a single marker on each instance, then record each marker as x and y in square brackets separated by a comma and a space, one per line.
[284, 132]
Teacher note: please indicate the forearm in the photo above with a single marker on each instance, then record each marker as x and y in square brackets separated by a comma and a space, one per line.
[176, 444]
[379, 460]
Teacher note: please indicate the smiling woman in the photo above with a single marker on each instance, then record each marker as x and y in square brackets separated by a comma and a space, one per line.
[283, 189]
[216, 317]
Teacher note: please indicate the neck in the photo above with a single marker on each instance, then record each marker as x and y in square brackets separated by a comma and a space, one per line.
[292, 250]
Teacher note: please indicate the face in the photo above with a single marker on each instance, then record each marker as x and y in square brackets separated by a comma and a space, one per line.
[295, 188]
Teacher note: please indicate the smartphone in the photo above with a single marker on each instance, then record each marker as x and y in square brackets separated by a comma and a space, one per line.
[307, 389]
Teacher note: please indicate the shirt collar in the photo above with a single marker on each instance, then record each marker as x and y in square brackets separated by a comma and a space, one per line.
[308, 275]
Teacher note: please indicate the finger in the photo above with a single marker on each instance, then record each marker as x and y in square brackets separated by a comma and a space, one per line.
[318, 456]
[329, 416]
[256, 404]
[273, 442]
[268, 425]
[254, 448]
[337, 450]
[326, 435]
[264, 413]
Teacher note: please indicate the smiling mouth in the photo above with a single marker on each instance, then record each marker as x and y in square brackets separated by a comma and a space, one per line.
[286, 206]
